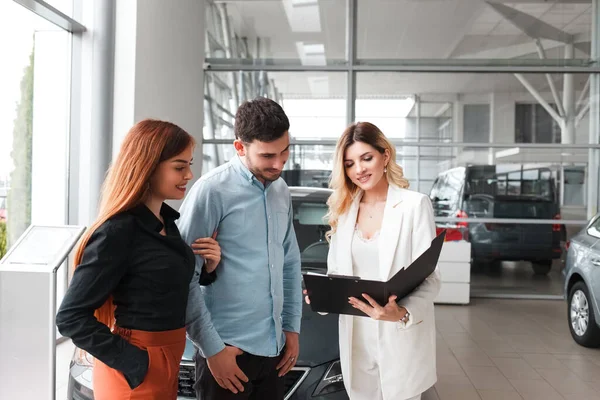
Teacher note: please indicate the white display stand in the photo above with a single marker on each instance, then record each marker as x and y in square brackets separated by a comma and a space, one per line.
[455, 267]
[28, 309]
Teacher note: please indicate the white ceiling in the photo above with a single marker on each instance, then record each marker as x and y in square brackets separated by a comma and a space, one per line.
[408, 29]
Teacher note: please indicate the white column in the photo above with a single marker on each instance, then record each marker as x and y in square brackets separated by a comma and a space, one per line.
[568, 128]
[159, 70]
[458, 118]
[493, 112]
[91, 107]
[418, 112]
[594, 154]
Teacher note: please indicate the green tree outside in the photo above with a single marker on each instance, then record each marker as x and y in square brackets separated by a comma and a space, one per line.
[3, 239]
[19, 195]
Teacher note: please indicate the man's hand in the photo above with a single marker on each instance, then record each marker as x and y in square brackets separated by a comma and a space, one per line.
[292, 349]
[390, 312]
[223, 366]
[209, 249]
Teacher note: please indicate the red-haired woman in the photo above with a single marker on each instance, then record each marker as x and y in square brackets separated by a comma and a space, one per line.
[127, 300]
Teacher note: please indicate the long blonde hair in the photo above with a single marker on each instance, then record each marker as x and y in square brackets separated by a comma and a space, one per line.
[147, 144]
[344, 190]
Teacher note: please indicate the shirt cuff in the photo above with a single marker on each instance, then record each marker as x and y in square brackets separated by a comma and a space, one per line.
[212, 349]
[136, 366]
[207, 278]
[292, 324]
[209, 346]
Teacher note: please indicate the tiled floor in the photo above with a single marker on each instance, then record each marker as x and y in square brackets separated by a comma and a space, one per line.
[493, 350]
[511, 349]
[516, 278]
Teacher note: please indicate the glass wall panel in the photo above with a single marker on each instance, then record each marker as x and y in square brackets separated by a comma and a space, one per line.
[499, 32]
[33, 123]
[306, 32]
[476, 108]
[314, 103]
[524, 172]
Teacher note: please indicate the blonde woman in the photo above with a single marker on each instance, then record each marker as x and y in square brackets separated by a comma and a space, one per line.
[378, 227]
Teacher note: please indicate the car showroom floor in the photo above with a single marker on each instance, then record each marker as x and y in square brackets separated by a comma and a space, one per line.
[516, 278]
[492, 350]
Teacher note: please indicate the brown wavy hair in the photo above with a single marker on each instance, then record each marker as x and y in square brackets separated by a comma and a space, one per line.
[127, 183]
[344, 190]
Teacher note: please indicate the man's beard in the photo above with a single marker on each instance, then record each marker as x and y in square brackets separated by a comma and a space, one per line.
[260, 174]
[267, 178]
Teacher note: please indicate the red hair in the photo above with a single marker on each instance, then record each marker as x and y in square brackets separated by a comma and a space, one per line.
[147, 144]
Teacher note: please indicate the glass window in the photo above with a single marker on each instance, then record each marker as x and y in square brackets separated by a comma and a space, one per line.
[533, 124]
[34, 122]
[476, 207]
[307, 32]
[469, 107]
[310, 226]
[468, 30]
[314, 103]
[476, 123]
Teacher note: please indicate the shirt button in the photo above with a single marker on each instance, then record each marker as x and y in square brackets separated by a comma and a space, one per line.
[272, 265]
[269, 217]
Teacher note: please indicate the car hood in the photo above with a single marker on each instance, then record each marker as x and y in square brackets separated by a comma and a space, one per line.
[318, 339]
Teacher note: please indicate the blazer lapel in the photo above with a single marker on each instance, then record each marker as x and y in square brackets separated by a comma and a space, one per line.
[390, 231]
[345, 233]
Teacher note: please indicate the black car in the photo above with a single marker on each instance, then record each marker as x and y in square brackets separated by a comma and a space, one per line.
[317, 374]
[505, 192]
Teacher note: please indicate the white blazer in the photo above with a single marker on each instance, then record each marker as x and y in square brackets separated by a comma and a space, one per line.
[408, 356]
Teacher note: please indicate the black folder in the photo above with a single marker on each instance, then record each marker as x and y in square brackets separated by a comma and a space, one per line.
[329, 293]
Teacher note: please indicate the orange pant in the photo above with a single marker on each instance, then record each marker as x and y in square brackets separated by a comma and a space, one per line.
[164, 350]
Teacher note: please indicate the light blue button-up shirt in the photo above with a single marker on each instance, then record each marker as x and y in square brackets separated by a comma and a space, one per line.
[257, 293]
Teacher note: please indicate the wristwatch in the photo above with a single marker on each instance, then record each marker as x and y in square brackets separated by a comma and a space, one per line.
[405, 318]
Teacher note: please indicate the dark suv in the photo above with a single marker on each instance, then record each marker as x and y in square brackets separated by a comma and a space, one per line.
[507, 192]
[317, 374]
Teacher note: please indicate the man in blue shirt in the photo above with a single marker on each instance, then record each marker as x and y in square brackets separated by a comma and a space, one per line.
[246, 323]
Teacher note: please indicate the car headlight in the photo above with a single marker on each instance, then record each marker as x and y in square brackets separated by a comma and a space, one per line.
[82, 365]
[83, 358]
[332, 381]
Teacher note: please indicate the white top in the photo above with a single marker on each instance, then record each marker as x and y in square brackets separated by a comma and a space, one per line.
[365, 256]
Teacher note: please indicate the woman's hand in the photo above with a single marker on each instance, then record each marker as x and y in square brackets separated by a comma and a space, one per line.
[306, 298]
[209, 249]
[390, 312]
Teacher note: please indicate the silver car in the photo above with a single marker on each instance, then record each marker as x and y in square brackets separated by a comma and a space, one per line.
[582, 285]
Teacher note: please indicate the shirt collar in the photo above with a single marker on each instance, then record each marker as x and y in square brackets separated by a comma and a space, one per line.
[147, 217]
[241, 168]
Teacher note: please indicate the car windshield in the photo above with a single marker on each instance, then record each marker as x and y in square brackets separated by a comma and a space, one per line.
[310, 227]
[536, 183]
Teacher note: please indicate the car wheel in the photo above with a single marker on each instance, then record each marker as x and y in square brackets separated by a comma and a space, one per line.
[582, 322]
[542, 267]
